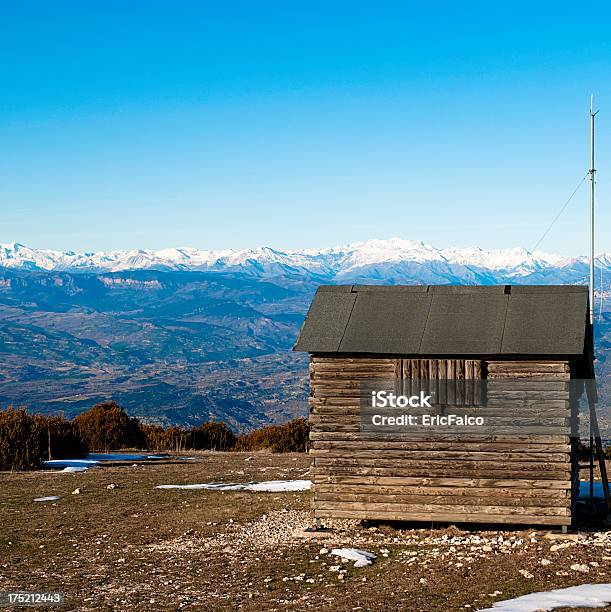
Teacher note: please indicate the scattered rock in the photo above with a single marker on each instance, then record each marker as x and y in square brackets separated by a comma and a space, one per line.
[76, 491]
[580, 567]
[312, 534]
[526, 573]
[112, 485]
[574, 537]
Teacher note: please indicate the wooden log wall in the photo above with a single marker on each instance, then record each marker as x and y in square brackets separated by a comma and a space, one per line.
[492, 479]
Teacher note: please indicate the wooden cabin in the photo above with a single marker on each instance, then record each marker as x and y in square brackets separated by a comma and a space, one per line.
[356, 332]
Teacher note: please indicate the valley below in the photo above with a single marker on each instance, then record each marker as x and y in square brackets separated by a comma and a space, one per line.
[183, 336]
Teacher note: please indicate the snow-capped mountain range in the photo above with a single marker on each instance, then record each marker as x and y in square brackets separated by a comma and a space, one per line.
[395, 260]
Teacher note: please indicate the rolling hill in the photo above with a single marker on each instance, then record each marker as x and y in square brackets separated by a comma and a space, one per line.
[182, 335]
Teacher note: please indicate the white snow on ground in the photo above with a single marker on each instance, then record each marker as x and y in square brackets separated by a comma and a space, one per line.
[582, 596]
[47, 498]
[274, 486]
[71, 465]
[271, 486]
[360, 557]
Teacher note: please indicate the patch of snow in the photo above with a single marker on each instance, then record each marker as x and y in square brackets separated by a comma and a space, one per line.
[70, 465]
[47, 498]
[270, 486]
[582, 596]
[360, 557]
[275, 486]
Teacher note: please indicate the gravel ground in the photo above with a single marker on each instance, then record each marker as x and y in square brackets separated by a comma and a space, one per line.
[134, 547]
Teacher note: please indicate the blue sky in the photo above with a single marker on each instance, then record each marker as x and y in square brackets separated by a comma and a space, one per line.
[239, 124]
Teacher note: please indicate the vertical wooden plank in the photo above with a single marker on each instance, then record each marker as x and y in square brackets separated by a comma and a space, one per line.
[424, 369]
[443, 368]
[434, 368]
[469, 382]
[434, 377]
[468, 369]
[443, 383]
[424, 376]
[477, 377]
[414, 368]
[460, 382]
[460, 369]
[451, 388]
[407, 369]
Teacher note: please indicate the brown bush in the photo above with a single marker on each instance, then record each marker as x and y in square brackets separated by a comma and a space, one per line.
[212, 435]
[60, 437]
[286, 438]
[26, 441]
[107, 426]
[156, 438]
[21, 442]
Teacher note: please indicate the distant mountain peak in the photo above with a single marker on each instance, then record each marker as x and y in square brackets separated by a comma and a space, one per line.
[376, 260]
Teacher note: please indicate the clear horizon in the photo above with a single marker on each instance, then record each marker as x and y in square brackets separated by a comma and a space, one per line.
[299, 127]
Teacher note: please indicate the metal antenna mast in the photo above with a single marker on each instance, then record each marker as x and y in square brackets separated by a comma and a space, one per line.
[592, 173]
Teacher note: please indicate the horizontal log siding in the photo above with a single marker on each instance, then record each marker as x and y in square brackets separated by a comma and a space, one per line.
[497, 479]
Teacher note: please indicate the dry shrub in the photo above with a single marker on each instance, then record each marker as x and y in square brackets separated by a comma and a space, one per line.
[153, 436]
[107, 426]
[21, 443]
[26, 440]
[171, 439]
[60, 437]
[212, 435]
[286, 438]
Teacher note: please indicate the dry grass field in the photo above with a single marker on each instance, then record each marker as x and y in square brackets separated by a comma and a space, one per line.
[136, 547]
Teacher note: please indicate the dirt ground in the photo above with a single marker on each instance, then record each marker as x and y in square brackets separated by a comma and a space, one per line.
[135, 547]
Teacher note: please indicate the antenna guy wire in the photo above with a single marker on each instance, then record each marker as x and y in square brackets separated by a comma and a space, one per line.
[549, 227]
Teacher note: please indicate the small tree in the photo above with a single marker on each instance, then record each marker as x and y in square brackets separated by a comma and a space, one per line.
[61, 437]
[107, 426]
[212, 435]
[22, 443]
[286, 438]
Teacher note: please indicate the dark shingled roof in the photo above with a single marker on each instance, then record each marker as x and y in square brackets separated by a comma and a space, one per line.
[447, 320]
